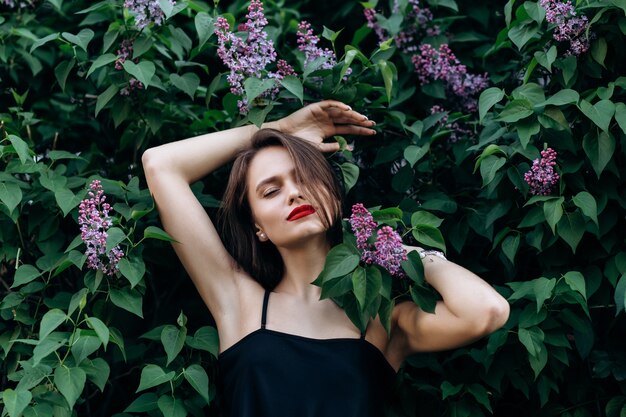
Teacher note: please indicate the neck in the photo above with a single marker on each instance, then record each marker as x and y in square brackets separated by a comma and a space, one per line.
[303, 264]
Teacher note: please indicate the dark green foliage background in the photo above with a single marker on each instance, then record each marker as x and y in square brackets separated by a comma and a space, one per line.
[76, 343]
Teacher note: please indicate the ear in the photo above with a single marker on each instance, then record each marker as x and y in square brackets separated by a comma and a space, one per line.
[261, 234]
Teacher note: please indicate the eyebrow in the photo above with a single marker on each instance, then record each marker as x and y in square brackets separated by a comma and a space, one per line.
[269, 180]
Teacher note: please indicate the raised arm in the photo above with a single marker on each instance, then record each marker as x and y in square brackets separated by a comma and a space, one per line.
[171, 168]
[470, 309]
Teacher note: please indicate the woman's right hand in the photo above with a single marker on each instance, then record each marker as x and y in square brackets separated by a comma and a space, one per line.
[318, 121]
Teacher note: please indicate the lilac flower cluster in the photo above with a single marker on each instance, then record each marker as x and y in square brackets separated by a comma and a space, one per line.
[126, 52]
[94, 221]
[432, 64]
[146, 12]
[250, 55]
[8, 3]
[415, 19]
[569, 27]
[307, 43]
[387, 252]
[458, 130]
[541, 178]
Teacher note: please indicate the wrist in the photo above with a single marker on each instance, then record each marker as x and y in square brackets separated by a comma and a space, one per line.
[272, 125]
[431, 254]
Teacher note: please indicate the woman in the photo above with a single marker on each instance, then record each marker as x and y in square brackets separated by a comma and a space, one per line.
[296, 355]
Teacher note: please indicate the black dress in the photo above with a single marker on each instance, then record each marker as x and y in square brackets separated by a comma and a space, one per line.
[275, 374]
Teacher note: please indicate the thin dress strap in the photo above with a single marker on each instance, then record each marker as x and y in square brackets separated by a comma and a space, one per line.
[264, 314]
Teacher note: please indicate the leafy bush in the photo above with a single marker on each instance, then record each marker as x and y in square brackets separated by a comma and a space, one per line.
[85, 92]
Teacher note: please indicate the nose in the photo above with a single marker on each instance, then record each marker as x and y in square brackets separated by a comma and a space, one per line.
[294, 194]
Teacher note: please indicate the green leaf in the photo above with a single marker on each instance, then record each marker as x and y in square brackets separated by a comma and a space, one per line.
[204, 27]
[600, 113]
[388, 71]
[562, 97]
[546, 59]
[489, 167]
[429, 236]
[542, 289]
[115, 237]
[413, 153]
[480, 394]
[526, 129]
[450, 4]
[198, 379]
[448, 390]
[171, 406]
[144, 71]
[100, 62]
[24, 275]
[50, 321]
[97, 371]
[515, 111]
[128, 299]
[587, 203]
[167, 8]
[100, 328]
[133, 269]
[66, 200]
[173, 340]
[598, 50]
[21, 148]
[620, 116]
[521, 34]
[553, 211]
[205, 338]
[294, 86]
[16, 401]
[425, 218]
[390, 215]
[84, 346]
[350, 174]
[341, 260]
[145, 402]
[153, 232]
[532, 339]
[46, 347]
[510, 245]
[488, 98]
[105, 97]
[576, 281]
[70, 382]
[187, 83]
[254, 87]
[571, 228]
[599, 149]
[152, 376]
[414, 267]
[10, 195]
[366, 283]
[81, 39]
[43, 41]
[424, 298]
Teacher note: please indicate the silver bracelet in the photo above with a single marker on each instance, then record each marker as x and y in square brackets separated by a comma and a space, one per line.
[438, 254]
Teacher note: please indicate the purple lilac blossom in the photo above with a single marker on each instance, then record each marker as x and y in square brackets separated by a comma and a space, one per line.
[307, 43]
[125, 52]
[442, 64]
[133, 84]
[94, 221]
[415, 19]
[146, 12]
[458, 131]
[248, 56]
[569, 27]
[541, 178]
[389, 251]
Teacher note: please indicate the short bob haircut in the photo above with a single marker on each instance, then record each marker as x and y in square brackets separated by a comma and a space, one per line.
[261, 260]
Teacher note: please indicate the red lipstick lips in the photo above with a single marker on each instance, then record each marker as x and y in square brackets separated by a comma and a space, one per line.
[300, 212]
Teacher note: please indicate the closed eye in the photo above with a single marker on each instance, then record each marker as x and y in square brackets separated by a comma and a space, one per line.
[270, 191]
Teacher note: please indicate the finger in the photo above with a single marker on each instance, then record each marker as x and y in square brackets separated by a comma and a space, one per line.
[354, 130]
[349, 117]
[329, 147]
[328, 104]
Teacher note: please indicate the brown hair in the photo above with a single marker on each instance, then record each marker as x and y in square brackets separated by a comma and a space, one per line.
[261, 260]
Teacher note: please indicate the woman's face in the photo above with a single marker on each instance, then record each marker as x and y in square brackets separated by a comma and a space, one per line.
[279, 209]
